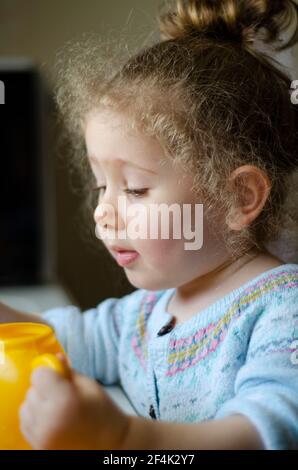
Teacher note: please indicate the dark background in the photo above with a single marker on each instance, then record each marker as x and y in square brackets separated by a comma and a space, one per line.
[35, 30]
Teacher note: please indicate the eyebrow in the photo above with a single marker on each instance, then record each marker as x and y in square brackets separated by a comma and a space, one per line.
[125, 162]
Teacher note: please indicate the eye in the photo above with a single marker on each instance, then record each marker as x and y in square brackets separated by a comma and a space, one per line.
[133, 192]
[136, 192]
[98, 190]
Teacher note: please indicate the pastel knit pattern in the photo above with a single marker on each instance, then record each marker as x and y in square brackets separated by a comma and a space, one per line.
[237, 356]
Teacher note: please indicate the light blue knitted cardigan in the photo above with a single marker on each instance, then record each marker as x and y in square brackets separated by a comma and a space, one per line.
[239, 355]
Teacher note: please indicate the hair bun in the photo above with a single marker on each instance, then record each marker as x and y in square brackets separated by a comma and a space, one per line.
[234, 20]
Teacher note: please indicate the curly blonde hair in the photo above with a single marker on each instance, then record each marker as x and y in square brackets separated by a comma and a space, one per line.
[206, 94]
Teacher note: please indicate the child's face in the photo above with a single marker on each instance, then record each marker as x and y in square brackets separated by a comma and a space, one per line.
[113, 152]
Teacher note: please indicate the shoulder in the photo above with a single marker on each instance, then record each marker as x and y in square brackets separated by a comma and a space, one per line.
[270, 292]
[277, 326]
[280, 296]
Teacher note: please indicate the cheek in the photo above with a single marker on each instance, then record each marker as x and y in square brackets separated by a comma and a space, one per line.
[153, 223]
[157, 252]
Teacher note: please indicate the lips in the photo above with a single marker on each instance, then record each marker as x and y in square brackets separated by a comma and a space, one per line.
[124, 257]
[118, 249]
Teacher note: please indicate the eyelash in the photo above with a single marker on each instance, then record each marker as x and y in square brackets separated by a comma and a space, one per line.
[133, 192]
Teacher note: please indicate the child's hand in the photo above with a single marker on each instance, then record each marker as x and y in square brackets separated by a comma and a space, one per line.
[59, 413]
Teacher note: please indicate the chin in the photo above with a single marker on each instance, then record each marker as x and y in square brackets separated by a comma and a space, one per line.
[151, 284]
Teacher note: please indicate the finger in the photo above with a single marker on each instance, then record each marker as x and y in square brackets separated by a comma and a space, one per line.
[25, 415]
[30, 434]
[64, 358]
[46, 381]
[27, 422]
[26, 431]
[66, 362]
[32, 398]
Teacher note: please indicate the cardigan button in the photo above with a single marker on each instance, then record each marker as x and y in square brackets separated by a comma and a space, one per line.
[167, 328]
[152, 412]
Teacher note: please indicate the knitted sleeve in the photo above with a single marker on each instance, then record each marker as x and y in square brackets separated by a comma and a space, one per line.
[91, 338]
[266, 387]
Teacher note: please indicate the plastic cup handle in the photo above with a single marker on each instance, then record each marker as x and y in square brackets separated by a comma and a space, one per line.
[52, 361]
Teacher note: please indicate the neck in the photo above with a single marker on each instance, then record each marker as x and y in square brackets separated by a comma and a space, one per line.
[217, 277]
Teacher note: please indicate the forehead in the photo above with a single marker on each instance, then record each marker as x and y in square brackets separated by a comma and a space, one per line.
[110, 137]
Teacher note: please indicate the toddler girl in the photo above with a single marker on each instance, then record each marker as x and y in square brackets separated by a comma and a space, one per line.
[206, 346]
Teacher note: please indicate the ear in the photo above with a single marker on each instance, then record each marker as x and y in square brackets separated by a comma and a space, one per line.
[253, 187]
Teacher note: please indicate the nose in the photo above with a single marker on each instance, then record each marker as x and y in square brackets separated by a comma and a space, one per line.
[107, 216]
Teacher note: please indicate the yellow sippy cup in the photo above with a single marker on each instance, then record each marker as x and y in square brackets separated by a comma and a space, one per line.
[23, 347]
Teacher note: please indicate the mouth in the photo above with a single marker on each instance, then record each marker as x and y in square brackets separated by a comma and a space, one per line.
[124, 257]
